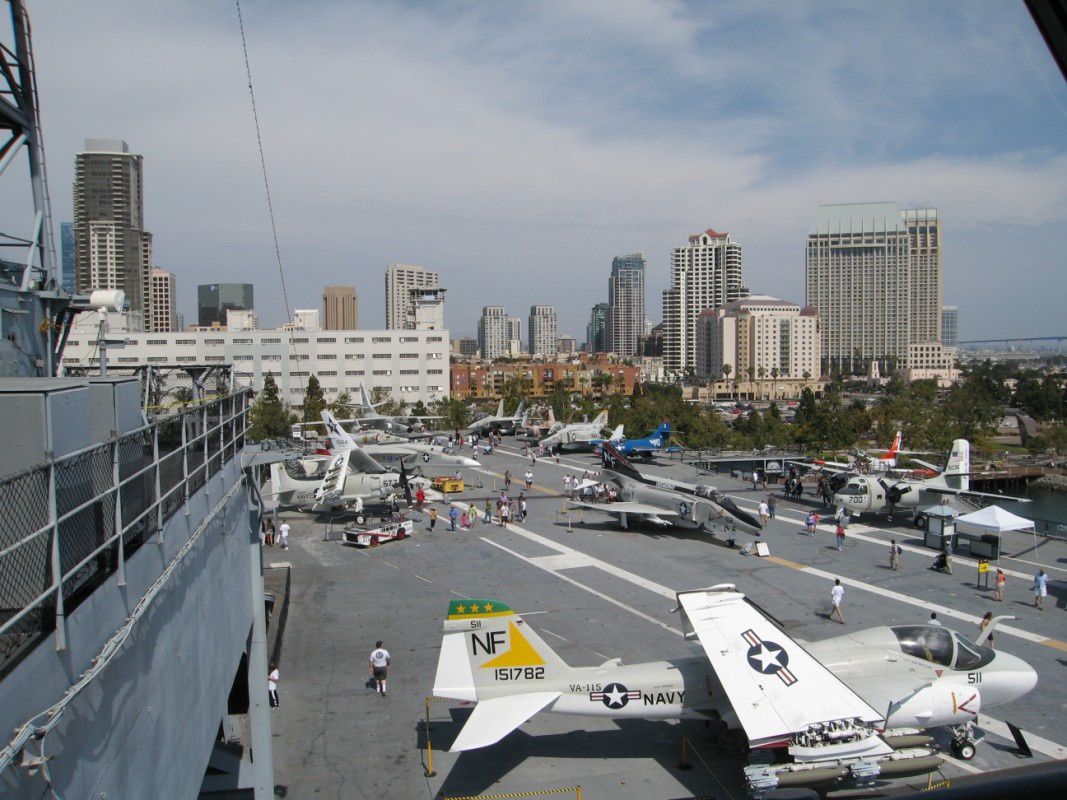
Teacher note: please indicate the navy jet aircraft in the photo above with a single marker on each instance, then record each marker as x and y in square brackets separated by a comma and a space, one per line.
[665, 502]
[850, 709]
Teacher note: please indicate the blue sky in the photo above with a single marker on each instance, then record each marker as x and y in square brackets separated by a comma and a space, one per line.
[517, 147]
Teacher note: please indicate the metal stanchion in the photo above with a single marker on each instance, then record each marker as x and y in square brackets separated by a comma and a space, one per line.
[683, 762]
[429, 748]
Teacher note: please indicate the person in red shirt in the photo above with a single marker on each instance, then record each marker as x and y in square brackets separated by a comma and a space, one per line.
[420, 498]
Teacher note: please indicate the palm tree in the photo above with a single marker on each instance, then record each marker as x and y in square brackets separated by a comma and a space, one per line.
[762, 375]
[775, 372]
[751, 379]
[726, 370]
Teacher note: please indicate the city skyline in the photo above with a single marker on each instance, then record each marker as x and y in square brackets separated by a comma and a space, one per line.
[707, 139]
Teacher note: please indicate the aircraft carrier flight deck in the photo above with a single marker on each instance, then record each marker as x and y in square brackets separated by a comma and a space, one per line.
[597, 592]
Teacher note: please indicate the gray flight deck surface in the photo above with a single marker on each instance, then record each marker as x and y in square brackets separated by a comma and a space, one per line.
[603, 592]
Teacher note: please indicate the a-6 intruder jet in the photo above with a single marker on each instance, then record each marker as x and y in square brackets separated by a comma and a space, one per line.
[847, 709]
[665, 502]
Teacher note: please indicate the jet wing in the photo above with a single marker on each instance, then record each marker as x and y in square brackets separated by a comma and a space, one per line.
[775, 686]
[627, 508]
[495, 718]
[332, 486]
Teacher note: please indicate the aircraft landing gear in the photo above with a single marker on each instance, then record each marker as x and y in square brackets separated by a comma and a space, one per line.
[964, 741]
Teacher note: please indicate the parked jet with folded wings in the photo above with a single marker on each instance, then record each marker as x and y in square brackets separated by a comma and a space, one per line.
[580, 436]
[664, 502]
[845, 709]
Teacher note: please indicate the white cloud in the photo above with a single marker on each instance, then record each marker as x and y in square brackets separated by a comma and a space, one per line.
[518, 149]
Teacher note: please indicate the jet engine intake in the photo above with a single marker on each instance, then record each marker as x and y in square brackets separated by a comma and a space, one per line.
[936, 705]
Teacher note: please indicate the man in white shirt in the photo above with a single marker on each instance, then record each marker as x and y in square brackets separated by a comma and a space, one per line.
[529, 479]
[764, 512]
[934, 620]
[379, 666]
[283, 530]
[837, 596]
[272, 685]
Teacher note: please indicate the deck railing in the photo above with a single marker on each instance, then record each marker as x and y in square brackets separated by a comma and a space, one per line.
[69, 524]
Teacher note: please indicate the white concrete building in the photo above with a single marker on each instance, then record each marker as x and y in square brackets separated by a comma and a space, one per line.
[931, 361]
[412, 365]
[543, 330]
[241, 319]
[760, 338]
[399, 279]
[304, 319]
[494, 331]
[705, 273]
[427, 309]
[162, 315]
[874, 274]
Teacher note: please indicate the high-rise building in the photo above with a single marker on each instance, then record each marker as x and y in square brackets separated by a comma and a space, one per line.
[112, 250]
[626, 302]
[214, 299]
[874, 274]
[162, 316]
[66, 243]
[597, 329]
[950, 326]
[340, 308]
[758, 338]
[705, 273]
[493, 332]
[543, 330]
[514, 335]
[399, 280]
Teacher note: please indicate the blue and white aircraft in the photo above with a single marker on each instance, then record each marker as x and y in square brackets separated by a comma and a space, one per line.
[656, 442]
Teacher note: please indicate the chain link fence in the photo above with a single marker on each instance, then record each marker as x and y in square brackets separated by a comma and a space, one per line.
[107, 505]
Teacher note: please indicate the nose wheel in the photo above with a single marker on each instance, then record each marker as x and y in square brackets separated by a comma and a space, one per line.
[964, 741]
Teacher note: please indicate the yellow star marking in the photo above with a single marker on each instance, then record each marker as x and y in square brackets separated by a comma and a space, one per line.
[474, 608]
[461, 609]
[487, 607]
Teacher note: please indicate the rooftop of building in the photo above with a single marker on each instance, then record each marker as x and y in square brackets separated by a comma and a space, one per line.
[711, 233]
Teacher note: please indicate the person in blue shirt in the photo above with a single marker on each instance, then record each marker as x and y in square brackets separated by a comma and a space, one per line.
[453, 515]
[1040, 589]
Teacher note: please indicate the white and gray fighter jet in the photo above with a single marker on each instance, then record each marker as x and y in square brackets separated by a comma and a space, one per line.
[847, 709]
[500, 422]
[665, 502]
[400, 425]
[414, 456]
[580, 436]
[345, 480]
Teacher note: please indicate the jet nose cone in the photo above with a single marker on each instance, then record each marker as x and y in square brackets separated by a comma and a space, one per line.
[470, 462]
[1019, 677]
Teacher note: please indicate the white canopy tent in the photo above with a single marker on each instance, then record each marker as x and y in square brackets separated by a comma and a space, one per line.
[995, 518]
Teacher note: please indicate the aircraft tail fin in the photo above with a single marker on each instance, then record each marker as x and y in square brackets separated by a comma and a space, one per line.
[959, 465]
[614, 461]
[601, 419]
[495, 718]
[487, 646]
[338, 436]
[617, 434]
[522, 407]
[895, 447]
[664, 431]
[500, 408]
[551, 417]
[365, 400]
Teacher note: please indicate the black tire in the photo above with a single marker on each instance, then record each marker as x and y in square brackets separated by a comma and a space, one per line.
[921, 522]
[964, 751]
[361, 519]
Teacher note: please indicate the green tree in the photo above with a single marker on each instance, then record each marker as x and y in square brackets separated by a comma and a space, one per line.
[314, 401]
[389, 407]
[516, 387]
[559, 400]
[419, 410]
[342, 407]
[454, 412]
[726, 370]
[269, 417]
